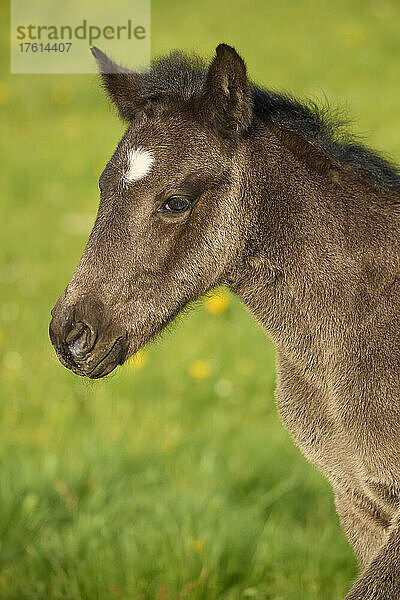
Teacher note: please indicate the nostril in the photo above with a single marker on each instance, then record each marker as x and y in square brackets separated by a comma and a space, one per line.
[80, 339]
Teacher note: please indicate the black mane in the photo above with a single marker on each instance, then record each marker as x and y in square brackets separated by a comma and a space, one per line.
[183, 75]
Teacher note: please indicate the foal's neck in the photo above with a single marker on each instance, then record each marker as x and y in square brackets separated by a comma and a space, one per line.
[316, 230]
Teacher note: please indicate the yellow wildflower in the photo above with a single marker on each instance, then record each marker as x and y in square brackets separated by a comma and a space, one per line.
[198, 546]
[138, 360]
[200, 369]
[217, 302]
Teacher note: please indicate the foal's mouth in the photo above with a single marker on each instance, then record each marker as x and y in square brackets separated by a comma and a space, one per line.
[106, 364]
[95, 363]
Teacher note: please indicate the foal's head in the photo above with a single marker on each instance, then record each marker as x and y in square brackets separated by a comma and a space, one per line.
[168, 228]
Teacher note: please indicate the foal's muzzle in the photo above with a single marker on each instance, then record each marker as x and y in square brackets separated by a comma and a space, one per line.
[85, 338]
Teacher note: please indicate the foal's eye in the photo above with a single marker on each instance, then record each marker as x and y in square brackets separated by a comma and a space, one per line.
[175, 204]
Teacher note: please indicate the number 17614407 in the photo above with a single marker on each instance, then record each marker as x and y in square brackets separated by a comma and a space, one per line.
[40, 47]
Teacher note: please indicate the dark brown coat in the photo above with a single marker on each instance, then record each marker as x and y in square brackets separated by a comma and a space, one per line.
[219, 182]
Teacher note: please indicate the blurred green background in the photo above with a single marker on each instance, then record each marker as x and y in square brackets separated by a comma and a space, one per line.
[172, 479]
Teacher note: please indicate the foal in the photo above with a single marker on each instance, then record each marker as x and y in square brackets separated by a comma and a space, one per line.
[219, 182]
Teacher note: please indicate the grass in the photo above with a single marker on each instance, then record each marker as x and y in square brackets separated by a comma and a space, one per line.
[173, 479]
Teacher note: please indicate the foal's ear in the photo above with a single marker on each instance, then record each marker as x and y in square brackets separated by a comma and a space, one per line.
[121, 85]
[227, 98]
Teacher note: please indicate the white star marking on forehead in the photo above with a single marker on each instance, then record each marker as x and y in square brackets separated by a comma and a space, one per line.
[139, 164]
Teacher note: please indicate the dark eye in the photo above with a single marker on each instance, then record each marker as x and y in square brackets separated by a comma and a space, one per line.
[175, 204]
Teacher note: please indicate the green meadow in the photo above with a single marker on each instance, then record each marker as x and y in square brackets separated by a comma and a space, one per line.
[173, 479]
